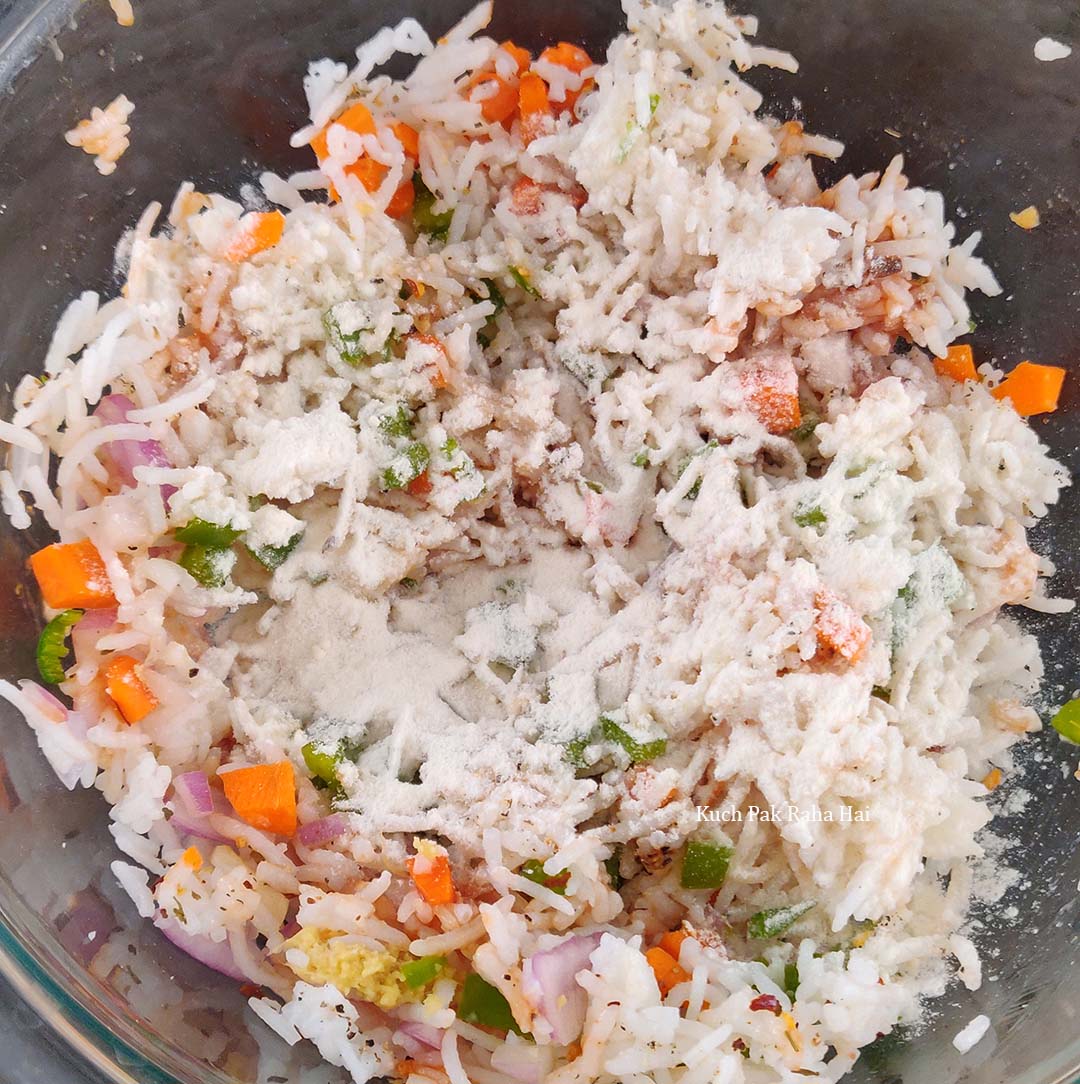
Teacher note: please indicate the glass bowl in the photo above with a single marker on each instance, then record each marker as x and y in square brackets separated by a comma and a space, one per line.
[954, 86]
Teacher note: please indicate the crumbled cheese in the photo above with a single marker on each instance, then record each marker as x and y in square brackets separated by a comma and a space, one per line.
[290, 458]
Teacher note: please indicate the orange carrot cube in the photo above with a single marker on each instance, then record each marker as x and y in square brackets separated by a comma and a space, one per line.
[72, 575]
[264, 796]
[958, 363]
[669, 973]
[256, 232]
[127, 690]
[1032, 389]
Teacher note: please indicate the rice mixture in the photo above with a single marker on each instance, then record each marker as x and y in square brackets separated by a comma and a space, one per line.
[536, 599]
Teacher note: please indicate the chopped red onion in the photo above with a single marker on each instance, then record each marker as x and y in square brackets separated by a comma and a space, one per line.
[126, 455]
[548, 981]
[523, 1061]
[44, 701]
[214, 954]
[193, 793]
[322, 831]
[198, 827]
[424, 1034]
[77, 724]
[88, 630]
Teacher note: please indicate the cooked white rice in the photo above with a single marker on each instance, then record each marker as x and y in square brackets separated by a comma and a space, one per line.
[686, 545]
[104, 134]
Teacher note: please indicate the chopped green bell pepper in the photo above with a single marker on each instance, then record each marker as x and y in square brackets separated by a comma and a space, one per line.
[272, 557]
[209, 565]
[417, 973]
[436, 226]
[202, 532]
[1066, 721]
[638, 752]
[533, 870]
[776, 920]
[481, 1003]
[705, 865]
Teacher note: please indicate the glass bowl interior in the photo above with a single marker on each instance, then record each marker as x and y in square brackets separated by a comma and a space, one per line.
[954, 87]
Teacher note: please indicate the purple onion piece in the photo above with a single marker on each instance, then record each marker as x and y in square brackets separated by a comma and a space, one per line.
[89, 629]
[424, 1034]
[316, 833]
[43, 700]
[126, 455]
[194, 794]
[193, 826]
[528, 1063]
[548, 982]
[214, 954]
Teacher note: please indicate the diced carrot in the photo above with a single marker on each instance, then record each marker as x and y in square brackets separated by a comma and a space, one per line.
[575, 59]
[667, 970]
[527, 197]
[567, 55]
[420, 486]
[264, 796]
[522, 56]
[958, 363]
[401, 202]
[992, 779]
[773, 395]
[534, 107]
[72, 575]
[127, 690]
[432, 878]
[672, 942]
[192, 859]
[408, 137]
[368, 172]
[497, 104]
[1031, 388]
[840, 630]
[357, 118]
[256, 232]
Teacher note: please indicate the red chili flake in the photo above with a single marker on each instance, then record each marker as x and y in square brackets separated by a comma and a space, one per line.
[766, 1003]
[738, 1045]
[249, 989]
